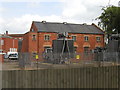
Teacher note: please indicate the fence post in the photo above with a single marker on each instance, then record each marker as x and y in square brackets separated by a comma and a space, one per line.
[117, 58]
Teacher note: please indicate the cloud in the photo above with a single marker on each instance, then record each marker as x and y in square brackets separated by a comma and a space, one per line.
[2, 23]
[18, 24]
[73, 11]
[73, 8]
[33, 4]
[83, 10]
[22, 24]
[32, 0]
[2, 10]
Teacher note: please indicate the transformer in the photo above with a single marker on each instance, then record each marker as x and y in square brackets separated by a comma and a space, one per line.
[114, 43]
[63, 46]
[62, 49]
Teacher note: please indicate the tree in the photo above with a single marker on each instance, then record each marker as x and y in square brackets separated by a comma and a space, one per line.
[110, 19]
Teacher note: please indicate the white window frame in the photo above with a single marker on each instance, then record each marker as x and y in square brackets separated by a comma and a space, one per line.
[86, 38]
[98, 39]
[74, 39]
[47, 37]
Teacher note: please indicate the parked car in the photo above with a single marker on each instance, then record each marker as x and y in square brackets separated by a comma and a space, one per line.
[13, 56]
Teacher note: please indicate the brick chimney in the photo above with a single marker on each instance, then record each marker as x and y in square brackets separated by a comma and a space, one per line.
[6, 32]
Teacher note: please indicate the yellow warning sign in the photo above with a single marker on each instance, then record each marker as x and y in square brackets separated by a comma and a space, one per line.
[36, 57]
[77, 56]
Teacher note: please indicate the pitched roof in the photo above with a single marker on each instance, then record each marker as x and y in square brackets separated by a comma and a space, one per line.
[5, 36]
[16, 35]
[67, 27]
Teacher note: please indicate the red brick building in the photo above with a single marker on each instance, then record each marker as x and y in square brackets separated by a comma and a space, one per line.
[9, 42]
[41, 34]
[17, 36]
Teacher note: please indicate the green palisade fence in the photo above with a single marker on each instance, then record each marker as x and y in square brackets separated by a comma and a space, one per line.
[84, 77]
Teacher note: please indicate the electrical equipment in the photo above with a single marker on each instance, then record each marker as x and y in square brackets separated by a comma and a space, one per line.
[63, 46]
[63, 35]
[114, 43]
[62, 49]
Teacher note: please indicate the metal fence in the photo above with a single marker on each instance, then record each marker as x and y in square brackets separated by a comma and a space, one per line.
[105, 78]
[77, 71]
[35, 60]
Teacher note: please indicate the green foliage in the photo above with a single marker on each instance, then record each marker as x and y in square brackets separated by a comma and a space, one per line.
[110, 19]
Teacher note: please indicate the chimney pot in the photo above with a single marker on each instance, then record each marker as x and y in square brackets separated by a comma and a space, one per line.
[6, 32]
[64, 22]
[43, 21]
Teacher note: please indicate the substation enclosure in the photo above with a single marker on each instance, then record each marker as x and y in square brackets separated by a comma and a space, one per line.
[113, 46]
[64, 48]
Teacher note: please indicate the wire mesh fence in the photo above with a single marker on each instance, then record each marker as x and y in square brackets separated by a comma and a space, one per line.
[65, 71]
[36, 59]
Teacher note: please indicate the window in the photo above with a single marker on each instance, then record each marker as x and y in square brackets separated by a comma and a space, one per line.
[1, 42]
[74, 38]
[86, 38]
[86, 49]
[47, 49]
[34, 37]
[32, 30]
[47, 37]
[98, 39]
[13, 49]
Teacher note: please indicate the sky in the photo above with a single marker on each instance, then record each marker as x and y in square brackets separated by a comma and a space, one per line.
[16, 16]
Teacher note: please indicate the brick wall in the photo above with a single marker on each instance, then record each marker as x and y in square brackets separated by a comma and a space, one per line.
[9, 43]
[25, 43]
[30, 45]
[39, 43]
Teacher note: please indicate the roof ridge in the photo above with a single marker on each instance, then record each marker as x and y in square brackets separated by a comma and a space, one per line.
[62, 23]
[66, 27]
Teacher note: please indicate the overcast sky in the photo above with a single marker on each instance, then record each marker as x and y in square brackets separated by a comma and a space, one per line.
[16, 16]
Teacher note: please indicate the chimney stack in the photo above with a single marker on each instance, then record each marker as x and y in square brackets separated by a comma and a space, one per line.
[6, 32]
[43, 21]
[64, 22]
